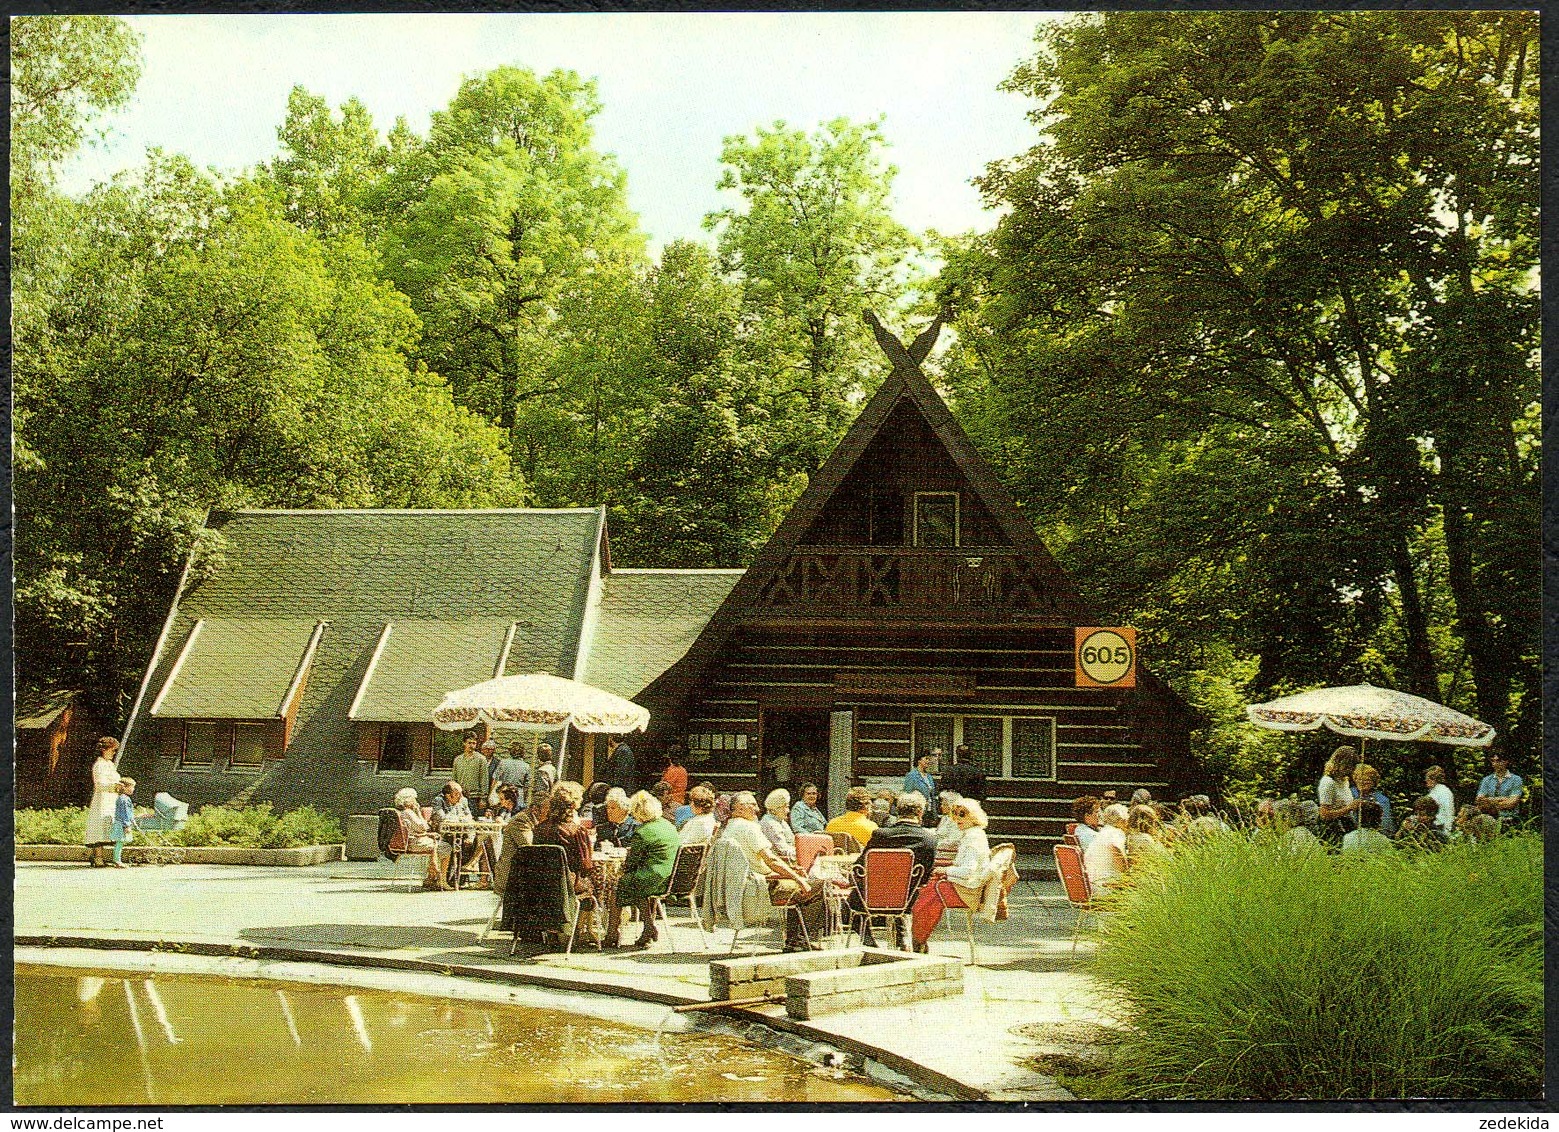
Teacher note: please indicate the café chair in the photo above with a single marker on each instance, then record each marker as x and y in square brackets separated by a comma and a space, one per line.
[811, 846]
[1074, 880]
[886, 880]
[540, 898]
[681, 888]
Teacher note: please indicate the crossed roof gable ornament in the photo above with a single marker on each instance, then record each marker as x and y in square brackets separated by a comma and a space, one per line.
[901, 356]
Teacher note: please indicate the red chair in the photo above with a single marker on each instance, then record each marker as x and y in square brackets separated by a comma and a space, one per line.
[811, 846]
[1071, 839]
[887, 880]
[1071, 829]
[1074, 879]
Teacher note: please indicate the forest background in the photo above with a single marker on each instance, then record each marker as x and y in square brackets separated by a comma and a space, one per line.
[1254, 342]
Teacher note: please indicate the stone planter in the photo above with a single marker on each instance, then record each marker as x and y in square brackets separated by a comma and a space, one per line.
[141, 853]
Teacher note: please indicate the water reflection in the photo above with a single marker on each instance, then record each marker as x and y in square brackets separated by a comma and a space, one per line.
[191, 1040]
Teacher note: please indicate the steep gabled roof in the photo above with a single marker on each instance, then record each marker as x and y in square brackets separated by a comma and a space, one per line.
[648, 619]
[906, 383]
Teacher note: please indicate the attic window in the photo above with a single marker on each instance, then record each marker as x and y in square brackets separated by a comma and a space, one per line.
[936, 518]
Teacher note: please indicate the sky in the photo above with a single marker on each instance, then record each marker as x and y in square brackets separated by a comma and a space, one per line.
[673, 85]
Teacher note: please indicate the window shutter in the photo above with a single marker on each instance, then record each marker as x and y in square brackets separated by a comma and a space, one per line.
[368, 739]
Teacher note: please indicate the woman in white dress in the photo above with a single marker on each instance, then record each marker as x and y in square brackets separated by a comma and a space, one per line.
[105, 794]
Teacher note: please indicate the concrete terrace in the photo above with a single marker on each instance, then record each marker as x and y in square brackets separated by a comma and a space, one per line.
[1027, 997]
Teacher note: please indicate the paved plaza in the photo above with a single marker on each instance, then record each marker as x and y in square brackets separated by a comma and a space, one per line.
[1026, 991]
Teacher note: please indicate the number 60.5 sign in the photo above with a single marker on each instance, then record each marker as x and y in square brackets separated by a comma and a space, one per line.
[1106, 658]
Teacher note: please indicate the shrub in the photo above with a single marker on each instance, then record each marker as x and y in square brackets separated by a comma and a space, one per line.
[245, 826]
[1246, 972]
[51, 827]
[248, 827]
[303, 826]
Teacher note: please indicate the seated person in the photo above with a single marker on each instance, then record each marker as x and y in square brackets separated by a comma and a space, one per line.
[561, 827]
[700, 828]
[1105, 858]
[905, 831]
[647, 870]
[1367, 838]
[947, 832]
[419, 838]
[521, 830]
[857, 803]
[1366, 784]
[1421, 829]
[1142, 836]
[508, 805]
[661, 792]
[1086, 813]
[805, 817]
[451, 805]
[1294, 834]
[1474, 824]
[776, 824]
[682, 814]
[882, 807]
[957, 885]
[786, 885]
[619, 824]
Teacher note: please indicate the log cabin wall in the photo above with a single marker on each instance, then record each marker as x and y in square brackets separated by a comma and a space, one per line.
[1007, 692]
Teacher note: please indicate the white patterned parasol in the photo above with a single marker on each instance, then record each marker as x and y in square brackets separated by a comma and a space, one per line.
[539, 702]
[1368, 712]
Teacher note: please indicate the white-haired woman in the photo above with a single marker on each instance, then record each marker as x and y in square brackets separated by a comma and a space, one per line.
[651, 855]
[419, 838]
[959, 884]
[776, 824]
[613, 822]
[1105, 858]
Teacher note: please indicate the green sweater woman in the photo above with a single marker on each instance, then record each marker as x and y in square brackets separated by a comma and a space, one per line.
[651, 855]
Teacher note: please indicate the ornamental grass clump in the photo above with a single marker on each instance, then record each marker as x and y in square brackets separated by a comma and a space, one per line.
[1244, 971]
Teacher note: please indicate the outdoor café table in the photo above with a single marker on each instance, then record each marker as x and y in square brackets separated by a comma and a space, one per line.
[833, 869]
[606, 869]
[457, 832]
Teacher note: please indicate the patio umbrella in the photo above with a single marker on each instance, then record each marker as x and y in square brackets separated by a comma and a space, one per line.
[540, 701]
[1367, 712]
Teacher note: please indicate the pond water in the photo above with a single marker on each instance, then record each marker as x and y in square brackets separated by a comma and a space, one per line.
[102, 1038]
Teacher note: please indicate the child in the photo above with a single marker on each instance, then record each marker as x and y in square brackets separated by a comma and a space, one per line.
[124, 820]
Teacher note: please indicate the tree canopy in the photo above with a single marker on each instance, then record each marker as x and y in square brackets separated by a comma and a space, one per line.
[1264, 309]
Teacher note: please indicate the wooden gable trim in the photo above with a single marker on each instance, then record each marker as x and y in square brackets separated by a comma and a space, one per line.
[906, 380]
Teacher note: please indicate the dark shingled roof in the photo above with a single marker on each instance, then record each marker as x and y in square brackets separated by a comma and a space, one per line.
[357, 571]
[236, 668]
[648, 618]
[421, 660]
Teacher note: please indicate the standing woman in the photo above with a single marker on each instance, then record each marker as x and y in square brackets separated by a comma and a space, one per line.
[1334, 793]
[105, 796]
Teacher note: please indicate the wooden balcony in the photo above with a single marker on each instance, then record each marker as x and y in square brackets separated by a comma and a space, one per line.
[876, 582]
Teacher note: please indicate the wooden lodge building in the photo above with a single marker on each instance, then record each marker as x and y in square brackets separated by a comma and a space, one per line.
[903, 604]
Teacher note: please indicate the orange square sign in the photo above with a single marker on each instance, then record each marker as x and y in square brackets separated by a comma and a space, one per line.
[1106, 657]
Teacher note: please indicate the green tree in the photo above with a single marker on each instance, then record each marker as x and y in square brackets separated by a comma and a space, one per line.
[701, 484]
[1264, 304]
[489, 221]
[205, 353]
[65, 71]
[814, 244]
[327, 166]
